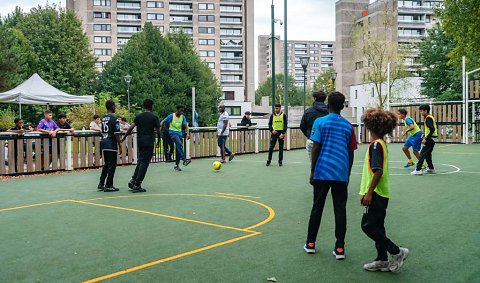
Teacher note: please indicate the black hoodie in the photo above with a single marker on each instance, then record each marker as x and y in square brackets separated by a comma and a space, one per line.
[318, 109]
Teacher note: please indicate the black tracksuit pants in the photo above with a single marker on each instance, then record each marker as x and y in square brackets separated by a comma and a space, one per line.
[168, 145]
[109, 167]
[145, 154]
[426, 154]
[373, 224]
[273, 142]
[339, 195]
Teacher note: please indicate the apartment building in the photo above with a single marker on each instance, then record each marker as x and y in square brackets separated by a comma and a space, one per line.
[411, 20]
[320, 54]
[222, 32]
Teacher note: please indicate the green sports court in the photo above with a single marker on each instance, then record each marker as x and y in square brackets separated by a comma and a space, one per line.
[244, 223]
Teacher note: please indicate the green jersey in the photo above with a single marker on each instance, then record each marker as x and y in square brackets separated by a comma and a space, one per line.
[383, 186]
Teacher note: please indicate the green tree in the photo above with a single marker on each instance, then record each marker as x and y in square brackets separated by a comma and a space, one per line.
[441, 79]
[295, 93]
[164, 69]
[460, 19]
[324, 81]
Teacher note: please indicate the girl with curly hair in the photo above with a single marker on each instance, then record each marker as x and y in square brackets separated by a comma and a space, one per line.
[375, 192]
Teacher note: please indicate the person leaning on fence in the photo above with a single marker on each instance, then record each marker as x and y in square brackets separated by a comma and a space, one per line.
[63, 125]
[95, 125]
[318, 109]
[246, 121]
[176, 122]
[278, 127]
[47, 126]
[147, 124]
[223, 130]
[19, 128]
[110, 141]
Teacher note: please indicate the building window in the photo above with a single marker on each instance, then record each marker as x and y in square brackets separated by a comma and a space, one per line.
[206, 42]
[234, 110]
[206, 53]
[206, 18]
[102, 39]
[181, 7]
[122, 41]
[231, 67]
[103, 51]
[129, 17]
[230, 9]
[100, 64]
[229, 95]
[102, 27]
[300, 45]
[129, 29]
[373, 92]
[356, 94]
[102, 15]
[225, 31]
[230, 20]
[231, 78]
[128, 5]
[359, 65]
[211, 65]
[155, 4]
[186, 30]
[206, 30]
[231, 55]
[102, 3]
[206, 6]
[231, 43]
[158, 17]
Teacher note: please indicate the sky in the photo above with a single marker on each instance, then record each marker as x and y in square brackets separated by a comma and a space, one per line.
[307, 19]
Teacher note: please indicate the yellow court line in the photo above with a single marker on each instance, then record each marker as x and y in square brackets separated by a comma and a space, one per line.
[150, 264]
[234, 195]
[463, 153]
[166, 216]
[34, 205]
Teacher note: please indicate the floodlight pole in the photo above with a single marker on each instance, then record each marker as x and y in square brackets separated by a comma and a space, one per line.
[128, 80]
[273, 58]
[285, 58]
[466, 104]
[388, 86]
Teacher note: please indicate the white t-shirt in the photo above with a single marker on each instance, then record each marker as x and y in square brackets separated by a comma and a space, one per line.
[95, 126]
[223, 117]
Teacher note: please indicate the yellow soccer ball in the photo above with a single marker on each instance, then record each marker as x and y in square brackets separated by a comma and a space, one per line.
[217, 165]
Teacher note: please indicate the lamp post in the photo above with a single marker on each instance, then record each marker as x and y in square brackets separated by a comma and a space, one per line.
[273, 57]
[334, 77]
[304, 62]
[285, 58]
[128, 80]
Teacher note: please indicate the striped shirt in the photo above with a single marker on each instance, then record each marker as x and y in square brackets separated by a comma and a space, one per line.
[336, 138]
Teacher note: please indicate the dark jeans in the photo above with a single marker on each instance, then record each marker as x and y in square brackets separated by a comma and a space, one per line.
[145, 154]
[373, 224]
[179, 147]
[273, 141]
[167, 145]
[222, 143]
[109, 167]
[339, 195]
[426, 154]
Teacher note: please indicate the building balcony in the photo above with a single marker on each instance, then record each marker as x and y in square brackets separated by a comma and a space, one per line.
[416, 9]
[181, 23]
[417, 24]
[231, 59]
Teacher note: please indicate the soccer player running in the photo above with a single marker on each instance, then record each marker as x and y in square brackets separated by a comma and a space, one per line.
[332, 158]
[110, 140]
[176, 121]
[223, 130]
[278, 127]
[318, 109]
[147, 124]
[375, 192]
[429, 139]
[414, 140]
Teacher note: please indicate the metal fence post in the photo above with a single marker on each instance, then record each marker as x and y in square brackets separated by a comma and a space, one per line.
[257, 140]
[69, 166]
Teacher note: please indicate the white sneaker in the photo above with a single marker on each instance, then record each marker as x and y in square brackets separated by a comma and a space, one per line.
[397, 260]
[377, 265]
[416, 172]
[429, 171]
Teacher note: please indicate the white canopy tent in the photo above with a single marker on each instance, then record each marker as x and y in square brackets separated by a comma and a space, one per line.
[36, 91]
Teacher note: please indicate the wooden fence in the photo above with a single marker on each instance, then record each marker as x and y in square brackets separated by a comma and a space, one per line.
[448, 117]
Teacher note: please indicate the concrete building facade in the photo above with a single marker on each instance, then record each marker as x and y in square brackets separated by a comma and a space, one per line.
[320, 54]
[221, 30]
[410, 21]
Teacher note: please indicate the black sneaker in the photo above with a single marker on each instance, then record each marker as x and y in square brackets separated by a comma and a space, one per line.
[186, 162]
[131, 184]
[100, 188]
[268, 162]
[110, 189]
[176, 168]
[309, 248]
[339, 253]
[230, 158]
[138, 189]
[280, 163]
